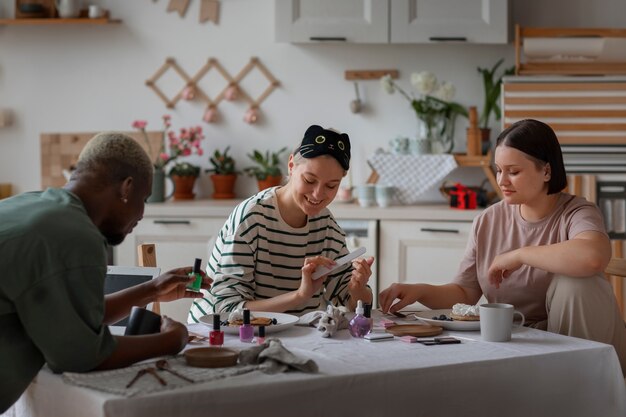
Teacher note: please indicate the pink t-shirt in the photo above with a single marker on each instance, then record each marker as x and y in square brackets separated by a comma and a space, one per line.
[501, 228]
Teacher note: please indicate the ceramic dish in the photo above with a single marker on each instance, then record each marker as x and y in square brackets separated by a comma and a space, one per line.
[211, 357]
[284, 321]
[427, 317]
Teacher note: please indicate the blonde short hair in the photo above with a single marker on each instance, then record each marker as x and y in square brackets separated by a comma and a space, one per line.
[116, 156]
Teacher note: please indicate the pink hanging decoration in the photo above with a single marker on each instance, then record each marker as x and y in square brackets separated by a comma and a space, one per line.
[251, 116]
[231, 93]
[189, 93]
[210, 115]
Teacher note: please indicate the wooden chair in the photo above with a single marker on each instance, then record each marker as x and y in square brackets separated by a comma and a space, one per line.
[146, 254]
[616, 272]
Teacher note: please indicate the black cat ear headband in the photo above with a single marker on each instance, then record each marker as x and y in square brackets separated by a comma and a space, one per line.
[319, 141]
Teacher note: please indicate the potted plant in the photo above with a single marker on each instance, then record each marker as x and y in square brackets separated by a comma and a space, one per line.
[267, 170]
[184, 175]
[492, 86]
[224, 174]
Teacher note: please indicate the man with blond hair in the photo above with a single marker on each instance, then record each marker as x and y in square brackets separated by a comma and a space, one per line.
[53, 260]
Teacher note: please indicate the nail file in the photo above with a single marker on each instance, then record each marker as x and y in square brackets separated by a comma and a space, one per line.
[322, 270]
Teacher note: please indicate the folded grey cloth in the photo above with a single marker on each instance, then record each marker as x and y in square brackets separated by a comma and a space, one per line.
[272, 357]
[327, 322]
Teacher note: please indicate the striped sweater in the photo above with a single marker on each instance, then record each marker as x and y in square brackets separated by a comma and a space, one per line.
[257, 255]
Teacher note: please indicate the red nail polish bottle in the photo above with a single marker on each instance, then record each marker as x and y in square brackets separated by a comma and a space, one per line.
[216, 336]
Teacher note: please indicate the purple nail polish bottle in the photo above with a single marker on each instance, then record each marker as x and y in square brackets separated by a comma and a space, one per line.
[246, 330]
[359, 325]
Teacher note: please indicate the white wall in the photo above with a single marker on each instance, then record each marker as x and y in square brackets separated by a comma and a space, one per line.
[90, 78]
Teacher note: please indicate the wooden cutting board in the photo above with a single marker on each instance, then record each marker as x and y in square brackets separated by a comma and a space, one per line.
[417, 330]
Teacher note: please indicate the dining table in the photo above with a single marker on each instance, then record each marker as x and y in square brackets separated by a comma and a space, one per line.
[536, 373]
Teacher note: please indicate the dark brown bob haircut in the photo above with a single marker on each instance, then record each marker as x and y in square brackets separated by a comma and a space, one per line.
[537, 140]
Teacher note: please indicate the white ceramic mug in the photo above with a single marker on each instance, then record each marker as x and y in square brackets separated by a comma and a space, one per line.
[384, 195]
[366, 195]
[95, 11]
[496, 321]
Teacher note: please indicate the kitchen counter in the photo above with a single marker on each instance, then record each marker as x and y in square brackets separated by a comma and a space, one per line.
[222, 208]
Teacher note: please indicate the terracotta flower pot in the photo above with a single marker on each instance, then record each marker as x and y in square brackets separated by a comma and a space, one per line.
[183, 187]
[223, 185]
[270, 181]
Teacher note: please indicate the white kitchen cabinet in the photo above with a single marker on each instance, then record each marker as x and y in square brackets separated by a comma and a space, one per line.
[392, 21]
[358, 21]
[178, 240]
[428, 21]
[420, 251]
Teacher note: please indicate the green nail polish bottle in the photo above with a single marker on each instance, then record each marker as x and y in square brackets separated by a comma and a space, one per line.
[197, 282]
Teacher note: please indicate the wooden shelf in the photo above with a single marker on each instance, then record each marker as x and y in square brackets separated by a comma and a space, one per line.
[565, 67]
[58, 21]
[480, 161]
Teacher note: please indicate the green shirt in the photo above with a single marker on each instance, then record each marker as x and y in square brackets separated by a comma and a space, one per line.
[52, 270]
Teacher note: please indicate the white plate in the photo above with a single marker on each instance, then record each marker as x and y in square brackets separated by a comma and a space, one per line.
[284, 321]
[427, 317]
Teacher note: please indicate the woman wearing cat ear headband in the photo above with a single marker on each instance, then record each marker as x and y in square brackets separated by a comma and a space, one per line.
[272, 242]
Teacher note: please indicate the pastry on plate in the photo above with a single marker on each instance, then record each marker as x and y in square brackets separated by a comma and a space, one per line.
[465, 312]
[236, 319]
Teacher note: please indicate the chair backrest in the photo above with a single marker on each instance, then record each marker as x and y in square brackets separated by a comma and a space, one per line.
[616, 271]
[616, 267]
[146, 254]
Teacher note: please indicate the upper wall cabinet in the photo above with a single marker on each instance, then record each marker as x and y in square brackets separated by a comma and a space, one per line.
[392, 21]
[426, 21]
[357, 21]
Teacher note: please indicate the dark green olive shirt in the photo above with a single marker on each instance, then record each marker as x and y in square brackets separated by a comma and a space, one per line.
[52, 270]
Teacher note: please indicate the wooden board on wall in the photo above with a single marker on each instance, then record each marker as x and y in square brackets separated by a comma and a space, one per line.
[60, 151]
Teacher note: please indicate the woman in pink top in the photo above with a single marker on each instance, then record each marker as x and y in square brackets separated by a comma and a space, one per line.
[540, 249]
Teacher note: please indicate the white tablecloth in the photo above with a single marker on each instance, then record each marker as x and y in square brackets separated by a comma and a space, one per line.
[536, 374]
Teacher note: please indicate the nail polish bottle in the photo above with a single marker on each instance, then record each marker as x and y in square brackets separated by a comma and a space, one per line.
[216, 336]
[260, 339]
[197, 283]
[246, 330]
[359, 325]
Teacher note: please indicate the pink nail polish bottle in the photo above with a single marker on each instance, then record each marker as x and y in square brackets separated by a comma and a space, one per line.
[246, 330]
[216, 336]
[260, 339]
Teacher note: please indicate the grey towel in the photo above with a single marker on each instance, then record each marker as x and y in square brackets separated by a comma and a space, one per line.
[272, 357]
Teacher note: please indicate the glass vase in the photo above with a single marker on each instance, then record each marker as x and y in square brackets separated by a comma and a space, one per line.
[158, 186]
[438, 130]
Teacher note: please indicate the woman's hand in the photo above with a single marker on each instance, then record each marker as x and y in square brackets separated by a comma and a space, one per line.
[405, 293]
[361, 273]
[502, 266]
[357, 287]
[308, 286]
[173, 284]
